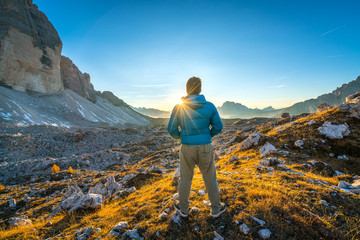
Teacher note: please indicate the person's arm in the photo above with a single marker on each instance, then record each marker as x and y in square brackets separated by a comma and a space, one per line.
[216, 123]
[173, 125]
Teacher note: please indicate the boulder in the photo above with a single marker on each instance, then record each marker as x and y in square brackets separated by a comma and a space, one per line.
[75, 80]
[252, 140]
[132, 234]
[88, 201]
[267, 149]
[120, 226]
[19, 221]
[244, 229]
[354, 98]
[299, 143]
[264, 233]
[30, 49]
[334, 131]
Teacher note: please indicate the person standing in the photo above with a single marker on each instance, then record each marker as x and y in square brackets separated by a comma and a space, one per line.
[195, 121]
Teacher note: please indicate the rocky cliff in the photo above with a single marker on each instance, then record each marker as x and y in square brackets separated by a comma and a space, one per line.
[75, 80]
[30, 48]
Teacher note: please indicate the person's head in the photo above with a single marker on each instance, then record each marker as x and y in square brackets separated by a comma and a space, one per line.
[193, 86]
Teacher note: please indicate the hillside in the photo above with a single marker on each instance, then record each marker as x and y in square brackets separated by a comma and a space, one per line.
[65, 109]
[298, 178]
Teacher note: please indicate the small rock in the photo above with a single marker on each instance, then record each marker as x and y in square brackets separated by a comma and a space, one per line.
[12, 204]
[194, 210]
[175, 197]
[120, 226]
[218, 236]
[346, 185]
[244, 228]
[131, 190]
[264, 233]
[299, 143]
[162, 215]
[19, 221]
[201, 192]
[261, 222]
[344, 157]
[207, 203]
[113, 234]
[131, 234]
[324, 202]
[175, 218]
[48, 224]
[267, 149]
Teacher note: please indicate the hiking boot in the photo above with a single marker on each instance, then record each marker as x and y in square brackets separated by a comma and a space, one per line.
[177, 208]
[223, 209]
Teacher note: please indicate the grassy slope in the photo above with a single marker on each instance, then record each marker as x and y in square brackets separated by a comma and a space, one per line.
[288, 202]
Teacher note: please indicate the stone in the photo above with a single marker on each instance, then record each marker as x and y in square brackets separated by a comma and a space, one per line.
[259, 221]
[218, 236]
[175, 197]
[30, 49]
[267, 149]
[311, 122]
[99, 188]
[163, 215]
[264, 233]
[201, 192]
[132, 234]
[244, 229]
[131, 190]
[299, 143]
[175, 218]
[19, 221]
[355, 110]
[75, 80]
[252, 140]
[88, 201]
[353, 98]
[194, 210]
[120, 226]
[324, 202]
[48, 224]
[112, 186]
[113, 233]
[343, 157]
[12, 204]
[334, 131]
[346, 185]
[356, 183]
[207, 203]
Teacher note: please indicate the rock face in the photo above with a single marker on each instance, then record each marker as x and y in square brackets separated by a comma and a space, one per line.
[30, 48]
[75, 80]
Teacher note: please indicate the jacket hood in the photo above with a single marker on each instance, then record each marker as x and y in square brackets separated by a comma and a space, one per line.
[194, 101]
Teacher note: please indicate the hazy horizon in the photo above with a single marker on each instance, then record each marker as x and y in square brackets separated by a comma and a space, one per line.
[256, 53]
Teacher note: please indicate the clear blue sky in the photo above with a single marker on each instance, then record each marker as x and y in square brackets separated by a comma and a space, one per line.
[258, 53]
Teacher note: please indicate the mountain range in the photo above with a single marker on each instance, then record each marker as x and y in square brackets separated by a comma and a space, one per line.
[238, 110]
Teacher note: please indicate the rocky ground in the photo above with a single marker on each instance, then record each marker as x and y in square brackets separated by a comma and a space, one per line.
[292, 178]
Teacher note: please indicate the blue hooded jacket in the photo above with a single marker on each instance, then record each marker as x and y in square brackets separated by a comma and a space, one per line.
[192, 119]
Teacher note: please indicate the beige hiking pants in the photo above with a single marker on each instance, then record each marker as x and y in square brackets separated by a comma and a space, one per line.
[203, 156]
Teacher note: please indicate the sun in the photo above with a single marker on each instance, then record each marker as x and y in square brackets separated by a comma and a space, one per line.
[180, 101]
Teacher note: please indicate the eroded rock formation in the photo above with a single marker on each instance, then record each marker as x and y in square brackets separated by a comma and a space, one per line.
[30, 48]
[75, 80]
